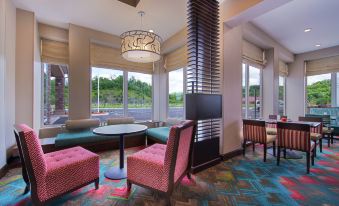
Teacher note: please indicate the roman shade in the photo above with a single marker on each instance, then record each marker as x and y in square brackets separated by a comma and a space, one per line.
[107, 57]
[322, 66]
[54, 52]
[283, 69]
[252, 53]
[176, 59]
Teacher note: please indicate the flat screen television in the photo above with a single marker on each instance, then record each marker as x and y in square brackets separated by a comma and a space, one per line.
[203, 106]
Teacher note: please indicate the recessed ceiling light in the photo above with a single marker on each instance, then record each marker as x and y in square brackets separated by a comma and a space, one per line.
[317, 45]
[307, 30]
[151, 31]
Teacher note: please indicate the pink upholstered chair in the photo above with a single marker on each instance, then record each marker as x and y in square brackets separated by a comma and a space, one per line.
[160, 167]
[57, 173]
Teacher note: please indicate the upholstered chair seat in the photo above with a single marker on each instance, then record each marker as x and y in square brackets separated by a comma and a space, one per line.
[271, 138]
[327, 130]
[315, 136]
[271, 131]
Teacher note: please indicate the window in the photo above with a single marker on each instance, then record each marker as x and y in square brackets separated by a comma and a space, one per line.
[107, 93]
[140, 96]
[319, 90]
[55, 94]
[176, 94]
[282, 95]
[109, 90]
[251, 92]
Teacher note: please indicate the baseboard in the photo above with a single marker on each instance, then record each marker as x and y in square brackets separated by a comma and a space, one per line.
[232, 154]
[206, 165]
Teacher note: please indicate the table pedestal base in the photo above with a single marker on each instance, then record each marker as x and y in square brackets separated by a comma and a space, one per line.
[115, 173]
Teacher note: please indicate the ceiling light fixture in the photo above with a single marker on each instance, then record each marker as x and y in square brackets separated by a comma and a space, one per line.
[140, 46]
[317, 45]
[307, 30]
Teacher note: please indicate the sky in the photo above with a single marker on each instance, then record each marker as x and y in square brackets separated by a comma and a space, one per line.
[176, 81]
[317, 78]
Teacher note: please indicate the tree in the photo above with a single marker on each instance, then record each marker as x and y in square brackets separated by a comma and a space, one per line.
[319, 93]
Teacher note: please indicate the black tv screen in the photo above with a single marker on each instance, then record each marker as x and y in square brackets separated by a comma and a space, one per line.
[203, 106]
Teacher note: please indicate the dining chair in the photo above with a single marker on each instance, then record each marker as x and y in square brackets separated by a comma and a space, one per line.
[161, 167]
[271, 128]
[296, 136]
[327, 131]
[255, 132]
[316, 132]
[51, 175]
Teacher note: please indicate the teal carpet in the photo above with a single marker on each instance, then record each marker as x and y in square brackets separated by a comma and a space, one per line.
[239, 181]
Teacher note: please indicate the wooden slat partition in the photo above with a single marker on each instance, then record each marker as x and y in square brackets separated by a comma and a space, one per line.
[203, 71]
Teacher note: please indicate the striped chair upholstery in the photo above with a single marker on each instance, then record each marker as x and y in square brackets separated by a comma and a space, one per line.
[160, 167]
[327, 131]
[295, 136]
[57, 173]
[316, 132]
[255, 132]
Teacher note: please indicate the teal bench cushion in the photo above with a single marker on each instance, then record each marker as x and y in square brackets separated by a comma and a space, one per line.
[80, 137]
[159, 134]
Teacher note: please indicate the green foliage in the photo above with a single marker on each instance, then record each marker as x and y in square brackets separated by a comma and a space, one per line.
[319, 93]
[176, 99]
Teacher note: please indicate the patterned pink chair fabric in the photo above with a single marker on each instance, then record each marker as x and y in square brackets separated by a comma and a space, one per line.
[56, 173]
[160, 167]
[296, 136]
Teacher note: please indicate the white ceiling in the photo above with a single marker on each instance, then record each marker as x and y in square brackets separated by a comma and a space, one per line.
[165, 17]
[286, 24]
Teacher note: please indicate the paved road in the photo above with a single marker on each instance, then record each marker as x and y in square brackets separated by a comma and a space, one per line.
[140, 114]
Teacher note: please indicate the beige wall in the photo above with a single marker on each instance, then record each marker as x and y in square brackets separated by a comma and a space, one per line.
[295, 82]
[7, 77]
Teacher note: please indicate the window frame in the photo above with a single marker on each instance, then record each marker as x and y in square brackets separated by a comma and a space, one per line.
[284, 93]
[184, 90]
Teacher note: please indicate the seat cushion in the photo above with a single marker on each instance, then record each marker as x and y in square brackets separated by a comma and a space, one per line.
[327, 130]
[80, 137]
[271, 131]
[147, 167]
[315, 136]
[70, 168]
[271, 138]
[159, 134]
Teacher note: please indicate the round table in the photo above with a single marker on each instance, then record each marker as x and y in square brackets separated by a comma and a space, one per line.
[118, 173]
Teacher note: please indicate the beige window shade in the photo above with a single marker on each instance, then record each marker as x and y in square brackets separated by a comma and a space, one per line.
[108, 57]
[252, 53]
[322, 66]
[54, 52]
[283, 69]
[176, 59]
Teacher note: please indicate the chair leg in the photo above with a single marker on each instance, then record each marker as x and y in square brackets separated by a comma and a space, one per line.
[168, 200]
[308, 162]
[129, 186]
[265, 151]
[274, 152]
[243, 147]
[315, 148]
[332, 138]
[278, 156]
[312, 157]
[284, 153]
[96, 183]
[328, 140]
[321, 144]
[253, 145]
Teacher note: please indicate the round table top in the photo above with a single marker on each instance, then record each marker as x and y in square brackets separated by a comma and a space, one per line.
[119, 129]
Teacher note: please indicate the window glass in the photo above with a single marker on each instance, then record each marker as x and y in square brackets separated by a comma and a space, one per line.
[319, 90]
[244, 92]
[282, 89]
[139, 96]
[254, 93]
[176, 94]
[55, 94]
[107, 93]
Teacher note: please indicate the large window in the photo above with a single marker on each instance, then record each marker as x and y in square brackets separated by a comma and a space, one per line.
[176, 94]
[282, 95]
[319, 90]
[140, 96]
[55, 94]
[109, 90]
[107, 93]
[251, 92]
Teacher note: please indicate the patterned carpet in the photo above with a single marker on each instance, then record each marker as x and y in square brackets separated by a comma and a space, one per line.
[239, 181]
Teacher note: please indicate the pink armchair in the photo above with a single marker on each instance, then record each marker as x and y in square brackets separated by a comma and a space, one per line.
[160, 167]
[57, 173]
